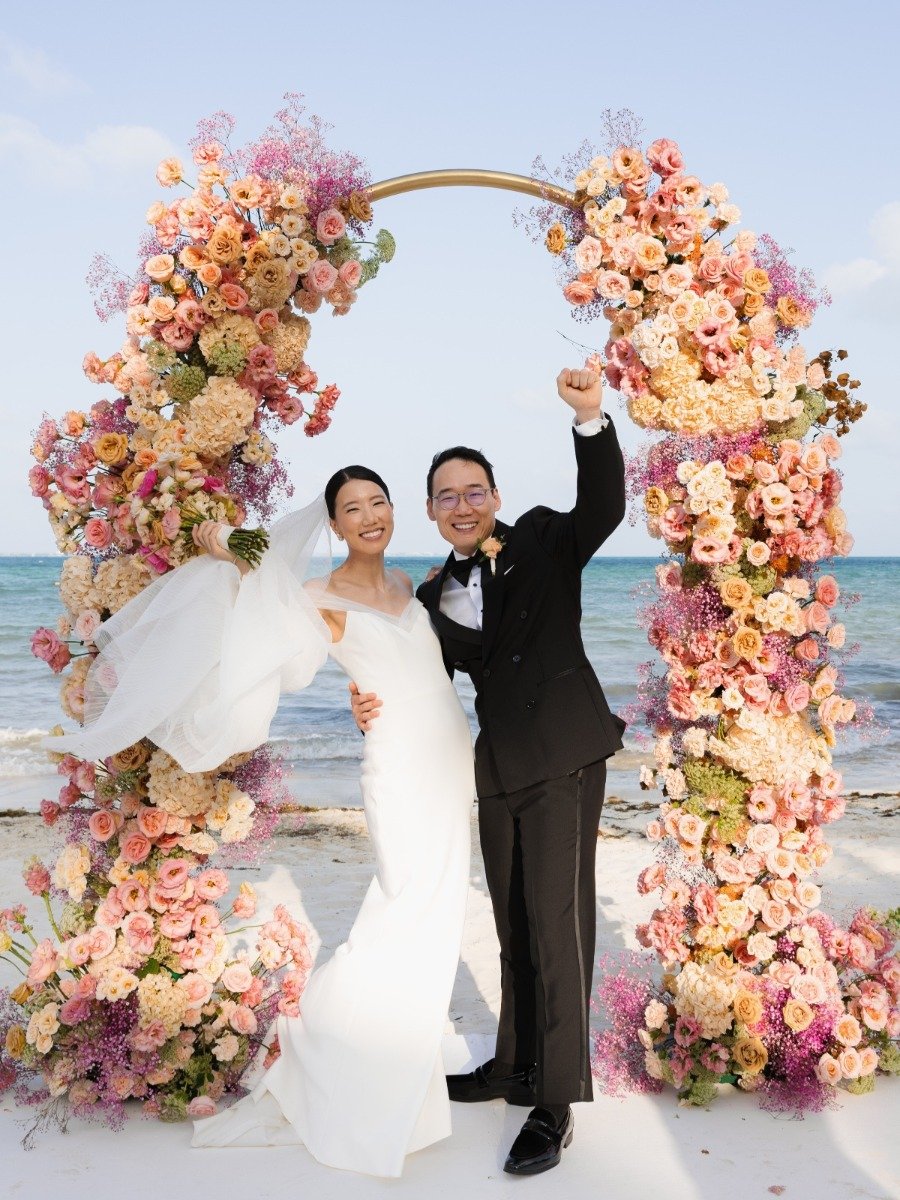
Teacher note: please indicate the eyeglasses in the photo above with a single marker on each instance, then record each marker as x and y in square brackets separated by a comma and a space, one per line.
[450, 500]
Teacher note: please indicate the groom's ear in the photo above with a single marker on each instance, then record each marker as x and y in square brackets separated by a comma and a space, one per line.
[429, 508]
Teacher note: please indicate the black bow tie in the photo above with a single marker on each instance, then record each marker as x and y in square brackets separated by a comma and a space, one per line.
[461, 568]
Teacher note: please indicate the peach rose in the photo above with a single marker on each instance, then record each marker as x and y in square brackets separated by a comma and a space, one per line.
[243, 1020]
[736, 592]
[797, 1015]
[848, 1030]
[160, 267]
[850, 1063]
[829, 1070]
[758, 554]
[321, 277]
[209, 274]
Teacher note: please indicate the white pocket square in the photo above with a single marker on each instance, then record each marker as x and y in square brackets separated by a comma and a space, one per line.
[508, 569]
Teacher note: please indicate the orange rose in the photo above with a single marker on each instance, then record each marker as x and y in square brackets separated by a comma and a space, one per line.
[224, 244]
[756, 279]
[791, 313]
[555, 240]
[748, 1007]
[655, 501]
[359, 207]
[753, 303]
[797, 1015]
[750, 1055]
[736, 592]
[747, 642]
[131, 757]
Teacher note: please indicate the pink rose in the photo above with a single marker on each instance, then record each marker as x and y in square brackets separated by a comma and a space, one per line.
[102, 825]
[234, 296]
[330, 226]
[797, 696]
[651, 878]
[321, 277]
[237, 977]
[807, 650]
[350, 273]
[709, 550]
[151, 821]
[200, 1107]
[775, 916]
[827, 590]
[243, 1020]
[44, 961]
[135, 848]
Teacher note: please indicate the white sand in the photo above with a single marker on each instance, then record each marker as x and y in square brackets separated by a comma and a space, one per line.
[623, 1149]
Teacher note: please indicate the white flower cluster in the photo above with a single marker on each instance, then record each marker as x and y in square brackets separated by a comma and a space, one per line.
[705, 996]
[70, 872]
[769, 749]
[232, 816]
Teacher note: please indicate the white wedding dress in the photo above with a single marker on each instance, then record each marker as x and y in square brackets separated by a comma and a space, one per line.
[360, 1079]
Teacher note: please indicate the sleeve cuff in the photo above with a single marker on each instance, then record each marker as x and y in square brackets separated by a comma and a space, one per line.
[589, 428]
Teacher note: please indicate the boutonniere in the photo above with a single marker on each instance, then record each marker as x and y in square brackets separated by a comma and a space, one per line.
[489, 549]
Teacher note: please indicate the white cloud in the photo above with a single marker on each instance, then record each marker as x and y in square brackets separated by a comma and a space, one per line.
[859, 274]
[30, 66]
[854, 276]
[885, 230]
[110, 149]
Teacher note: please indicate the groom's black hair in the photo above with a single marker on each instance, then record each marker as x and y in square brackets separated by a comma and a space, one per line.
[344, 475]
[467, 454]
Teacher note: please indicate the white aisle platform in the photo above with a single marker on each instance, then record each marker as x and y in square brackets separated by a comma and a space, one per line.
[639, 1148]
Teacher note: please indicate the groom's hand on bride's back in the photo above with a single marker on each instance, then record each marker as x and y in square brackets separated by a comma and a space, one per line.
[365, 706]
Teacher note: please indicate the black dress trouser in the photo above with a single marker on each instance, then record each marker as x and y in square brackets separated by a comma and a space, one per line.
[539, 847]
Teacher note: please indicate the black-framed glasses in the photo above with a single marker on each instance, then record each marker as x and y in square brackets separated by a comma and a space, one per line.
[475, 497]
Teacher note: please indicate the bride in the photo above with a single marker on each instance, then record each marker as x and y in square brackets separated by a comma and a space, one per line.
[359, 1080]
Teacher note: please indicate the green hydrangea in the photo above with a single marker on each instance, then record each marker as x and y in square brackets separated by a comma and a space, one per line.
[762, 579]
[183, 383]
[889, 1059]
[709, 779]
[814, 404]
[227, 358]
[861, 1085]
[385, 245]
[160, 357]
[701, 1089]
[695, 805]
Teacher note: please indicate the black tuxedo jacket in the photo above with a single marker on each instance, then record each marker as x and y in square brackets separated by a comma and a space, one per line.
[541, 710]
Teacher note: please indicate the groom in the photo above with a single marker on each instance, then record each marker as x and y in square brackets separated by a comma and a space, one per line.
[507, 608]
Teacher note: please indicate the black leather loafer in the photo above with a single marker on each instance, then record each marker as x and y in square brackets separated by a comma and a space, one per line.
[540, 1144]
[485, 1084]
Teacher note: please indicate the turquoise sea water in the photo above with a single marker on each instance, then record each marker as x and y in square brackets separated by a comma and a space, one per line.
[314, 729]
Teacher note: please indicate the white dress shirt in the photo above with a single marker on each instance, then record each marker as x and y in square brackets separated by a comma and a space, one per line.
[465, 605]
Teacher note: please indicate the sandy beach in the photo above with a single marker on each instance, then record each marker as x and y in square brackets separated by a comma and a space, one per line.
[623, 1149]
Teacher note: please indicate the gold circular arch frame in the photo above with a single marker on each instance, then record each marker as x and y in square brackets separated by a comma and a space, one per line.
[466, 178]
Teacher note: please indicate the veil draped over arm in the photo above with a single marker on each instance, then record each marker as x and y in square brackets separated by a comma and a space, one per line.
[197, 661]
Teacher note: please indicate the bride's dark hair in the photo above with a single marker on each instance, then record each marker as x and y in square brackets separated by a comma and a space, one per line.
[344, 475]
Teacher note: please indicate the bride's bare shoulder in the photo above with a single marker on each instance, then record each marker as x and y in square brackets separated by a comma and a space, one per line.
[403, 579]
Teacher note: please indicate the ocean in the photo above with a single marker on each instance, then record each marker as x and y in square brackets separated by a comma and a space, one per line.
[315, 733]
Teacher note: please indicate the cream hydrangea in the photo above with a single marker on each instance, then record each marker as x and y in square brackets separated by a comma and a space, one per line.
[162, 998]
[705, 996]
[176, 791]
[769, 749]
[289, 340]
[71, 870]
[230, 329]
[220, 416]
[120, 579]
[76, 585]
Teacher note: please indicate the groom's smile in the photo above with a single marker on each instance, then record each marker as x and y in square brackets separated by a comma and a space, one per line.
[463, 504]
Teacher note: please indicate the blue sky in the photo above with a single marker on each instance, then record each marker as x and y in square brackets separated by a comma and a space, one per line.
[459, 339]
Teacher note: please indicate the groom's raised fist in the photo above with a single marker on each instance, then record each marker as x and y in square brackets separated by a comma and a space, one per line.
[582, 391]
